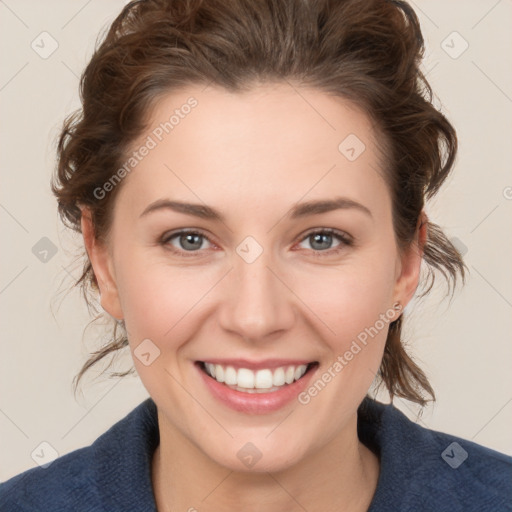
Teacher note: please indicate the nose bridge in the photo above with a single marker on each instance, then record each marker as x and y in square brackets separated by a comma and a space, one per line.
[259, 303]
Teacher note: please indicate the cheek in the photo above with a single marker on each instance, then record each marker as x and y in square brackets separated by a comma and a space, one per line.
[154, 296]
[351, 298]
[156, 299]
[161, 303]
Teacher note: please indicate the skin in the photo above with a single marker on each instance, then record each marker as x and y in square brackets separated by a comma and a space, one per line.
[253, 156]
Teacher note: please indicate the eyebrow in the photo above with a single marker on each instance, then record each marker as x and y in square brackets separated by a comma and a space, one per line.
[298, 211]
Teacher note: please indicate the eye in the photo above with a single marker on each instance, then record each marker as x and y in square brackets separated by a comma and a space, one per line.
[191, 241]
[188, 241]
[321, 240]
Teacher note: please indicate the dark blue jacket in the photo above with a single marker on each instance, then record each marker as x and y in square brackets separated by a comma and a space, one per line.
[421, 469]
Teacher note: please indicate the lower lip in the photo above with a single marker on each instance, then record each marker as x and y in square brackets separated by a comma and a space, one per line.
[256, 403]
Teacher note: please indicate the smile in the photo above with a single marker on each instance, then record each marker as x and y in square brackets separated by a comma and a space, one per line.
[265, 380]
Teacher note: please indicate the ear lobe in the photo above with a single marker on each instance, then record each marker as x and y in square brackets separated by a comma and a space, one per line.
[100, 259]
[410, 264]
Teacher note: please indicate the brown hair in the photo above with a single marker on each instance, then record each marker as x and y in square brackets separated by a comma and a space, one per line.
[367, 51]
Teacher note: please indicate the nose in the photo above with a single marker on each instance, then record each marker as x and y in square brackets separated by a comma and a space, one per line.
[258, 301]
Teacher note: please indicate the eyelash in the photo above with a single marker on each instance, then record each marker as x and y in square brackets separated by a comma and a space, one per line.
[344, 238]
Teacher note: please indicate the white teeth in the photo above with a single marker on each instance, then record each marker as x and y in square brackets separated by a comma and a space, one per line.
[251, 381]
[278, 377]
[289, 376]
[300, 371]
[211, 369]
[245, 378]
[263, 379]
[219, 373]
[230, 376]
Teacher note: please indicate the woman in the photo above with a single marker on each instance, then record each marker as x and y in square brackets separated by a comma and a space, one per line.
[249, 178]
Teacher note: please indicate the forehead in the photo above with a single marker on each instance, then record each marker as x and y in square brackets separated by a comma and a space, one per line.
[275, 142]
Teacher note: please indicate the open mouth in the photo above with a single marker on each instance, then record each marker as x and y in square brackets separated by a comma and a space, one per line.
[265, 380]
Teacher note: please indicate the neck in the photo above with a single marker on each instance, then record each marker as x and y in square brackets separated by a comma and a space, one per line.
[341, 476]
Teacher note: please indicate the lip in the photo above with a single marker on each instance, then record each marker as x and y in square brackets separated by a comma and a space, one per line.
[256, 403]
[258, 365]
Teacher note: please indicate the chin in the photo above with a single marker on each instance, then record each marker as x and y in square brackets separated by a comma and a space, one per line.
[258, 456]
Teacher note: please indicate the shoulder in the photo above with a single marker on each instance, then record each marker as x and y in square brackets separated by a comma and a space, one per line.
[66, 482]
[460, 474]
[423, 469]
[111, 474]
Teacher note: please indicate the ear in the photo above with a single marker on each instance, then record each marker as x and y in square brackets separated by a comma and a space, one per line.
[101, 261]
[408, 269]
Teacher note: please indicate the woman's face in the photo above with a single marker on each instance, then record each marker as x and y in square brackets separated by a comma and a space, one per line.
[255, 293]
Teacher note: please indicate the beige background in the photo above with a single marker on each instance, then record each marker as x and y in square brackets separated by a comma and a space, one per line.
[464, 346]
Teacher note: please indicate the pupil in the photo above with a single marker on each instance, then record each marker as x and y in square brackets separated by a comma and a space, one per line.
[189, 237]
[319, 236]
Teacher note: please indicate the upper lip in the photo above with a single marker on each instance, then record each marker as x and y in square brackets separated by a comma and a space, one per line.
[258, 365]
